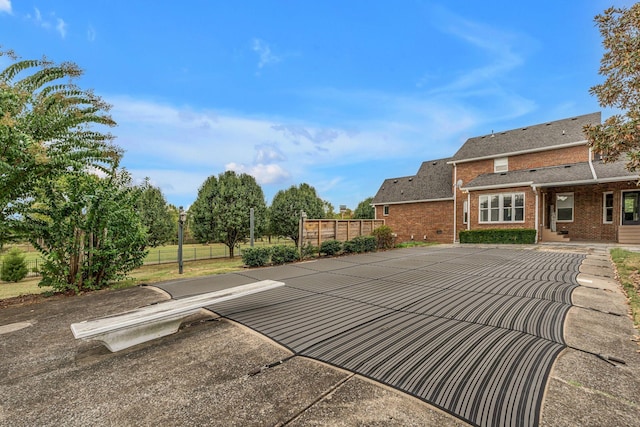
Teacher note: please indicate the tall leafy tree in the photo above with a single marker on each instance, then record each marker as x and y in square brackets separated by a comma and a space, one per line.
[47, 130]
[364, 210]
[87, 229]
[237, 195]
[620, 65]
[201, 216]
[155, 215]
[221, 213]
[287, 205]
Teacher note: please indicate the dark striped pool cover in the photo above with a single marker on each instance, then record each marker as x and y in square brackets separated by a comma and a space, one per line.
[473, 331]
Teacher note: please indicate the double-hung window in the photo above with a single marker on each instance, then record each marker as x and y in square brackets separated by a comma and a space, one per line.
[564, 207]
[607, 208]
[505, 207]
[501, 164]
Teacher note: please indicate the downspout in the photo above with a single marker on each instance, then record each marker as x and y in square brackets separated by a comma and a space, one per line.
[593, 171]
[469, 211]
[455, 198]
[535, 191]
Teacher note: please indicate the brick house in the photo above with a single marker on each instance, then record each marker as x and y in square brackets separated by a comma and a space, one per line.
[542, 177]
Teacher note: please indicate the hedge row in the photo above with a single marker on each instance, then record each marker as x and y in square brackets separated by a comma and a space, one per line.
[509, 235]
[260, 256]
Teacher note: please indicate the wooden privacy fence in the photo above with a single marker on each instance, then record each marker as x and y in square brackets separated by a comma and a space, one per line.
[316, 231]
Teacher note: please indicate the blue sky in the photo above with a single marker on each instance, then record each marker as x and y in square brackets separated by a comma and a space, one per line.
[337, 94]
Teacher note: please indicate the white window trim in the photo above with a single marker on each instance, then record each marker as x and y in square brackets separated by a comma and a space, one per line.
[465, 212]
[573, 207]
[385, 210]
[501, 164]
[501, 208]
[604, 207]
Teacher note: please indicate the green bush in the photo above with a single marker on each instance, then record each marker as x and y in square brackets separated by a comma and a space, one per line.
[497, 235]
[360, 244]
[309, 251]
[384, 237]
[256, 257]
[330, 247]
[282, 254]
[14, 266]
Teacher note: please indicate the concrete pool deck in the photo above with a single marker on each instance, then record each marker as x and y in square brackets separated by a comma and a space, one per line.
[217, 372]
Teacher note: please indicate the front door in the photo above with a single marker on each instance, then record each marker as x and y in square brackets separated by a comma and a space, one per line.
[630, 208]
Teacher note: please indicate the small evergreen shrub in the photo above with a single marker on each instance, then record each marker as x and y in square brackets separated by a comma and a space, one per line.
[369, 243]
[282, 254]
[14, 266]
[256, 257]
[331, 247]
[360, 244]
[309, 251]
[349, 247]
[384, 237]
[499, 235]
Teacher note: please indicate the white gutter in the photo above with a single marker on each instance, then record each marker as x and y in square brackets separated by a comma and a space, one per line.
[498, 186]
[444, 199]
[515, 153]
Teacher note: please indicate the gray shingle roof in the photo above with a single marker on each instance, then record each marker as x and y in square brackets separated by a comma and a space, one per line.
[565, 131]
[570, 173]
[433, 181]
[613, 170]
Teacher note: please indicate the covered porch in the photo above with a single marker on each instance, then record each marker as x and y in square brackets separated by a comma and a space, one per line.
[607, 213]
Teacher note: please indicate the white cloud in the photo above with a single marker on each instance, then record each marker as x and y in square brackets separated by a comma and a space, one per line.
[5, 6]
[264, 174]
[42, 22]
[265, 56]
[493, 55]
[91, 33]
[61, 27]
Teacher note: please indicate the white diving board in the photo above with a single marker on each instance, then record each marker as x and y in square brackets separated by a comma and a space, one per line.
[130, 328]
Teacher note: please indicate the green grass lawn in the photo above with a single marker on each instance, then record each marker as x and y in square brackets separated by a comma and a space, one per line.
[628, 265]
[167, 253]
[160, 265]
[147, 274]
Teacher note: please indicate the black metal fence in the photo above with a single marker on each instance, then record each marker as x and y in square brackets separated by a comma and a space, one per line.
[170, 255]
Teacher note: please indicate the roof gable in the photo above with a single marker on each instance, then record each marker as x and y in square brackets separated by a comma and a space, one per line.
[530, 138]
[432, 182]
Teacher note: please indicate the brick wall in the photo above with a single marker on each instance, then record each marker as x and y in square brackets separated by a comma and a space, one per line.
[468, 171]
[431, 219]
[557, 157]
[529, 209]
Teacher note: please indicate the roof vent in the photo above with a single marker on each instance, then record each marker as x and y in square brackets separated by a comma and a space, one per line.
[492, 135]
[503, 173]
[524, 128]
[434, 163]
[532, 170]
[410, 179]
[567, 166]
[563, 131]
[395, 180]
